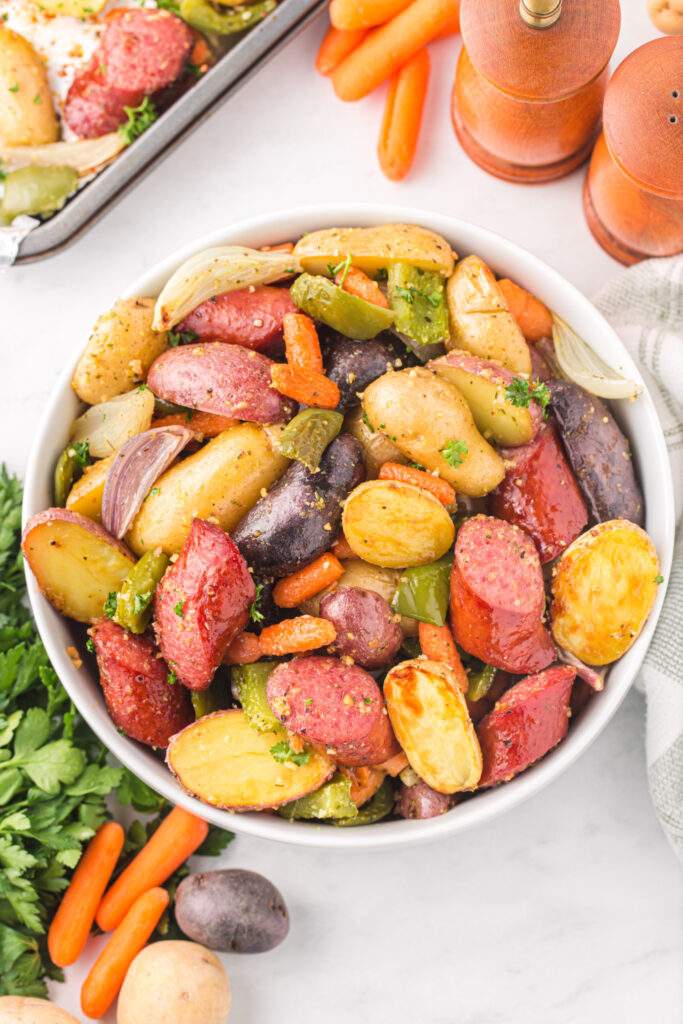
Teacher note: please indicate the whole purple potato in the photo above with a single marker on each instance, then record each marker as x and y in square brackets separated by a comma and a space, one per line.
[232, 910]
[420, 801]
[367, 630]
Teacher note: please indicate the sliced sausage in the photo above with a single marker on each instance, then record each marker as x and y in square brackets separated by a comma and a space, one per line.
[145, 49]
[528, 721]
[92, 106]
[539, 493]
[251, 317]
[498, 598]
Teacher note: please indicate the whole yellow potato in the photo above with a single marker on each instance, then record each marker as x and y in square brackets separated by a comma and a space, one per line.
[422, 414]
[481, 321]
[27, 114]
[220, 482]
[174, 981]
[86, 494]
[396, 525]
[604, 586]
[120, 351]
[374, 249]
[429, 715]
[27, 1010]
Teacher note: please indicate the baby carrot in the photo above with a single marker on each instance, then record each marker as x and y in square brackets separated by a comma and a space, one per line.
[302, 348]
[307, 386]
[357, 282]
[176, 839]
[244, 650]
[314, 577]
[441, 489]
[337, 44]
[355, 14]
[451, 28]
[438, 644]
[342, 549]
[402, 117]
[204, 424]
[71, 924]
[107, 974]
[294, 636]
[535, 320]
[387, 49]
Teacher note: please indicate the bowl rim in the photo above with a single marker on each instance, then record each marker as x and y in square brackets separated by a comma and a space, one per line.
[575, 307]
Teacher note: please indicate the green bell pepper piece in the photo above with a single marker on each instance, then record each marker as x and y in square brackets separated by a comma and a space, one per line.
[423, 591]
[331, 801]
[375, 809]
[352, 316]
[306, 437]
[134, 599]
[204, 701]
[480, 682]
[418, 297]
[69, 468]
[249, 686]
[205, 17]
[37, 190]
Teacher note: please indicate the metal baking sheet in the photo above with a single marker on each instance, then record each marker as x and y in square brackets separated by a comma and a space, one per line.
[230, 72]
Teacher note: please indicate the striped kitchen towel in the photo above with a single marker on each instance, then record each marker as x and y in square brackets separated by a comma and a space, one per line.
[645, 306]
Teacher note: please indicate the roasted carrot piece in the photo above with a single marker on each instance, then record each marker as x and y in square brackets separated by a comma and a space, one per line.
[314, 577]
[336, 45]
[365, 782]
[307, 386]
[535, 320]
[280, 247]
[385, 50]
[204, 424]
[342, 549]
[294, 636]
[302, 348]
[451, 28]
[176, 839]
[441, 489]
[438, 645]
[402, 117]
[357, 282]
[201, 55]
[395, 765]
[71, 924]
[107, 974]
[355, 14]
[244, 650]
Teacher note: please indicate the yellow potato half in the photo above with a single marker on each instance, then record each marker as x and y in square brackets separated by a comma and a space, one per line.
[374, 249]
[27, 114]
[85, 496]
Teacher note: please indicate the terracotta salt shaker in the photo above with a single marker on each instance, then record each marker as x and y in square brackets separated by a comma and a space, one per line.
[633, 194]
[530, 83]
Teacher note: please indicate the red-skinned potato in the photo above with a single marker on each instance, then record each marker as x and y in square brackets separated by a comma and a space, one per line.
[75, 561]
[529, 720]
[251, 317]
[225, 762]
[420, 801]
[201, 604]
[135, 685]
[367, 629]
[228, 380]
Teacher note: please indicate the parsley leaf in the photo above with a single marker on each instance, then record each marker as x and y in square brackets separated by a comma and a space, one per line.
[171, 677]
[139, 120]
[176, 338]
[521, 392]
[178, 608]
[282, 752]
[255, 613]
[81, 450]
[342, 267]
[455, 452]
[659, 579]
[109, 608]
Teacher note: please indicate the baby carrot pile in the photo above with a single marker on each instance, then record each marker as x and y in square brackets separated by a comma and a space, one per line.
[375, 41]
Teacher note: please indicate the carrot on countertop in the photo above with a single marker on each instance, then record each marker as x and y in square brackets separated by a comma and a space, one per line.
[307, 386]
[336, 45]
[307, 582]
[342, 549]
[302, 348]
[441, 489]
[402, 117]
[107, 974]
[387, 49]
[245, 649]
[204, 424]
[280, 247]
[438, 645]
[176, 839]
[294, 636]
[357, 282]
[71, 924]
[451, 28]
[355, 14]
[535, 320]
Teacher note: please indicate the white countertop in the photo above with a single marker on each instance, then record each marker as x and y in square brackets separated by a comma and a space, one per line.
[569, 910]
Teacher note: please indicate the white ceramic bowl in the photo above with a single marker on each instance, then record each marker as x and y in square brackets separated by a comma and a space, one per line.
[638, 418]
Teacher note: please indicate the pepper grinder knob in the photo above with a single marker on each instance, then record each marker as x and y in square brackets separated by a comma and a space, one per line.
[540, 13]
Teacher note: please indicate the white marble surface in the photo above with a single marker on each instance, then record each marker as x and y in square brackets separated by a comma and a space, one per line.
[570, 909]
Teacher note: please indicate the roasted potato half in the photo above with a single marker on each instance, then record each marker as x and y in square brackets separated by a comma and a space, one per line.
[481, 322]
[85, 496]
[604, 586]
[27, 114]
[377, 448]
[430, 718]
[374, 249]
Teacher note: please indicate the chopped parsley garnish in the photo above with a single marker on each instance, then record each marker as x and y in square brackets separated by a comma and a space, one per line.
[141, 601]
[521, 392]
[282, 752]
[454, 452]
[110, 604]
[178, 608]
[255, 613]
[407, 294]
[155, 491]
[90, 645]
[14, 88]
[139, 120]
[142, 387]
[411, 292]
[659, 579]
[367, 423]
[81, 450]
[171, 678]
[195, 70]
[343, 268]
[176, 338]
[169, 5]
[37, 99]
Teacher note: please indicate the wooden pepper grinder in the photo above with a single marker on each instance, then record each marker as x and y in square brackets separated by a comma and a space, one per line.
[530, 82]
[633, 194]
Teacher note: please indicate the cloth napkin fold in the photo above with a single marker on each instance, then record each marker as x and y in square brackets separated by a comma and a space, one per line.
[645, 306]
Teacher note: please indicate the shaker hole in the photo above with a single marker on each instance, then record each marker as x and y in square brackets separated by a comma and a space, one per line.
[673, 119]
[675, 94]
